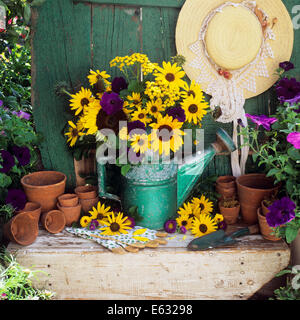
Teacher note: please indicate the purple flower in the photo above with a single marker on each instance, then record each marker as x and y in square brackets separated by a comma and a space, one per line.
[135, 125]
[183, 229]
[7, 162]
[1, 103]
[281, 212]
[132, 222]
[288, 90]
[111, 103]
[177, 113]
[222, 225]
[170, 226]
[241, 123]
[118, 84]
[16, 198]
[22, 154]
[21, 114]
[294, 139]
[286, 65]
[93, 225]
[262, 120]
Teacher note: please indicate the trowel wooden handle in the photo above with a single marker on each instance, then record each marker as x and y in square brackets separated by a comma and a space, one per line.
[244, 231]
[253, 229]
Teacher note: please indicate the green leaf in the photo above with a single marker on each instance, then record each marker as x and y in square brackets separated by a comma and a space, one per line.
[125, 169]
[290, 170]
[294, 153]
[27, 13]
[37, 3]
[272, 172]
[291, 234]
[5, 180]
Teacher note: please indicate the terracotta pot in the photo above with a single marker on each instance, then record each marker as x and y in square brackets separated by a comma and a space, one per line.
[22, 229]
[265, 229]
[44, 187]
[68, 200]
[86, 192]
[32, 208]
[226, 193]
[264, 209]
[230, 215]
[53, 221]
[252, 189]
[226, 182]
[72, 214]
[88, 204]
[295, 251]
[86, 166]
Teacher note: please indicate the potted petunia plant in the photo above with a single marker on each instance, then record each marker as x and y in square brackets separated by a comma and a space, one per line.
[276, 149]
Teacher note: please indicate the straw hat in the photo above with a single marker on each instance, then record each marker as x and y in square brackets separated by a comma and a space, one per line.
[233, 39]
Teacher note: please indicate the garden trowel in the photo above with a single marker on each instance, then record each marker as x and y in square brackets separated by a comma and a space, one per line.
[219, 238]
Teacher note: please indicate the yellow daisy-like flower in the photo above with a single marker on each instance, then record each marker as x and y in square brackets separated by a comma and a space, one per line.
[166, 135]
[218, 218]
[73, 134]
[90, 118]
[155, 107]
[193, 90]
[141, 115]
[100, 213]
[81, 100]
[116, 225]
[203, 225]
[135, 100]
[171, 74]
[94, 76]
[195, 109]
[205, 206]
[140, 143]
[186, 210]
[184, 221]
[84, 221]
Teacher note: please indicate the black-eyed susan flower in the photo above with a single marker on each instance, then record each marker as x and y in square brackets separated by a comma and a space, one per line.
[166, 135]
[95, 76]
[186, 210]
[81, 100]
[193, 90]
[139, 142]
[184, 220]
[116, 225]
[155, 107]
[135, 100]
[73, 133]
[84, 221]
[205, 205]
[100, 213]
[170, 74]
[195, 109]
[203, 225]
[140, 115]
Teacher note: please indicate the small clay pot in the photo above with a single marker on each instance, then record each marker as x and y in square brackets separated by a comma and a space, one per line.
[226, 182]
[68, 200]
[33, 208]
[44, 187]
[88, 204]
[86, 192]
[264, 208]
[72, 214]
[53, 221]
[265, 229]
[226, 193]
[22, 229]
[230, 215]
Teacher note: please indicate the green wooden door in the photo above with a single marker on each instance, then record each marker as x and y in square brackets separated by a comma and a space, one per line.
[71, 37]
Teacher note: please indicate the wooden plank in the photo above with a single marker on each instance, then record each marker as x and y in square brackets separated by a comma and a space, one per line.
[139, 3]
[168, 272]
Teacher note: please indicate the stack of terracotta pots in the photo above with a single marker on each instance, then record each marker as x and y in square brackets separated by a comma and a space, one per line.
[69, 204]
[88, 197]
[226, 187]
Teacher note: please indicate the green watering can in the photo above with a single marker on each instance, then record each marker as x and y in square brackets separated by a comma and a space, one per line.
[158, 190]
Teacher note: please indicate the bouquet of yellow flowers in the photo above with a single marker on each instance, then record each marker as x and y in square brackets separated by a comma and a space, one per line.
[146, 97]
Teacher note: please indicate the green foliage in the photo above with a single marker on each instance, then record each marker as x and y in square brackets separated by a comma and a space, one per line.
[16, 281]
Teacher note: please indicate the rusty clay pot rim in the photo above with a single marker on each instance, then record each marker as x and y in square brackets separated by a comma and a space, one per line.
[63, 181]
[68, 208]
[252, 188]
[30, 203]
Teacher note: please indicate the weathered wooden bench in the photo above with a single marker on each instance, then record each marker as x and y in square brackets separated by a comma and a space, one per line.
[77, 268]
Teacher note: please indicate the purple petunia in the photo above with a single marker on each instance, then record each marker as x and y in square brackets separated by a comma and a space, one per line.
[183, 229]
[16, 198]
[7, 162]
[288, 90]
[177, 113]
[22, 154]
[93, 225]
[262, 120]
[286, 65]
[281, 212]
[111, 103]
[170, 226]
[294, 139]
[21, 114]
[132, 222]
[118, 84]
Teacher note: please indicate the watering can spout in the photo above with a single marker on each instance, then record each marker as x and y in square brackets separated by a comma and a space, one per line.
[193, 166]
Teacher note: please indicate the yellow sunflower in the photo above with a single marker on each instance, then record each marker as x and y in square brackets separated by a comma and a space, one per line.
[116, 225]
[193, 90]
[155, 107]
[84, 221]
[166, 135]
[205, 206]
[218, 217]
[90, 119]
[184, 221]
[203, 225]
[100, 213]
[140, 143]
[195, 109]
[186, 210]
[170, 74]
[94, 76]
[141, 115]
[81, 100]
[135, 100]
[73, 134]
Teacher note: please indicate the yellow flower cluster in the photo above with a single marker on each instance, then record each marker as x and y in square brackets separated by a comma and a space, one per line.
[196, 216]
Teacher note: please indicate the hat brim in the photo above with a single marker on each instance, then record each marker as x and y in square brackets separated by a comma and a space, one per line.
[189, 23]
